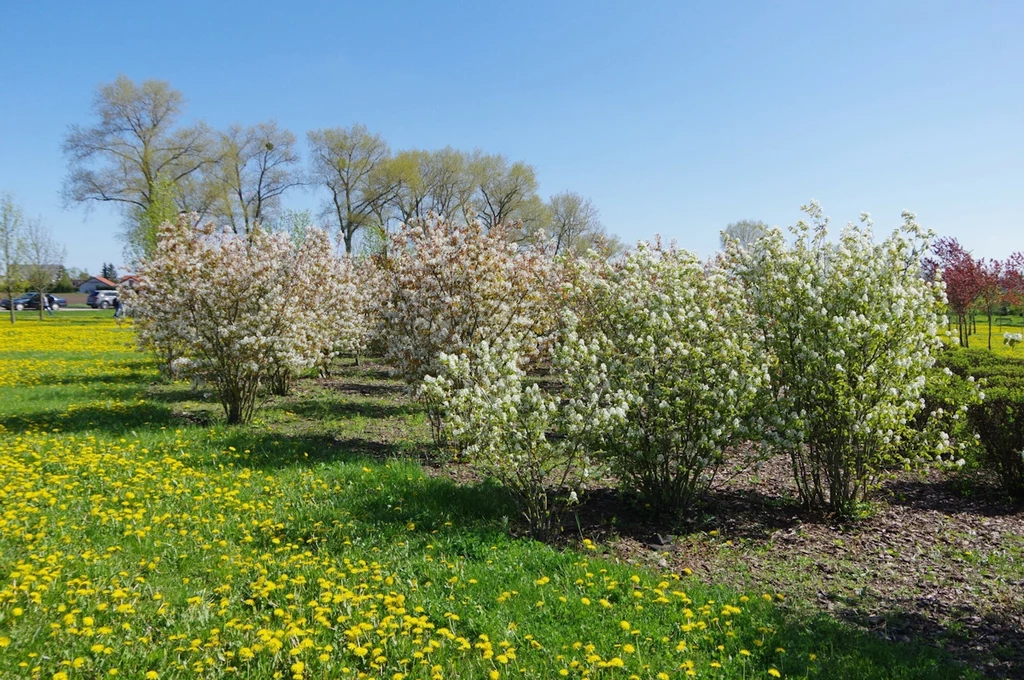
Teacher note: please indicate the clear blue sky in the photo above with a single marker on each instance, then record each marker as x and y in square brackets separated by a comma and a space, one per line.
[674, 117]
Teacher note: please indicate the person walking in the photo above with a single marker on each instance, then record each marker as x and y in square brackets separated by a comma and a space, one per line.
[48, 301]
[117, 306]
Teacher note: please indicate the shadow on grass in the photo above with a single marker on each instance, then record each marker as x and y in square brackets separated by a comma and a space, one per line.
[344, 386]
[396, 508]
[175, 394]
[116, 380]
[843, 651]
[98, 417]
[276, 451]
[464, 519]
[987, 641]
[363, 408]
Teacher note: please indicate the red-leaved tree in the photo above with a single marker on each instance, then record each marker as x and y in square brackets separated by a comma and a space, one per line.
[964, 277]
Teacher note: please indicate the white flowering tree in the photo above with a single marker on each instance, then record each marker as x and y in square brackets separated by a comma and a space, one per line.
[852, 328]
[680, 345]
[447, 287]
[535, 443]
[334, 294]
[235, 311]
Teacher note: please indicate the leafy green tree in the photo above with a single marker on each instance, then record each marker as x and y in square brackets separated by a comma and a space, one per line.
[12, 248]
[141, 238]
[109, 271]
[63, 284]
[572, 223]
[435, 182]
[296, 223]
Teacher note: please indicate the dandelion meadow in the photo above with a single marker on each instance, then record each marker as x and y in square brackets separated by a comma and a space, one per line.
[138, 542]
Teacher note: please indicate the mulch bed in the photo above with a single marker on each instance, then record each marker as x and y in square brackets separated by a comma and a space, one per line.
[938, 561]
[930, 563]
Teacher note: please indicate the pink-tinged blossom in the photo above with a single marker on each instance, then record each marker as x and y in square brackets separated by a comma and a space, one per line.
[235, 311]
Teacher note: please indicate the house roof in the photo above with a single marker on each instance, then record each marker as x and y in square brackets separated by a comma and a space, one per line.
[104, 281]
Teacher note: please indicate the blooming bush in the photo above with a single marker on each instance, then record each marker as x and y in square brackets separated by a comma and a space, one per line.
[447, 287]
[680, 346]
[1011, 340]
[337, 292]
[852, 327]
[996, 423]
[513, 431]
[238, 312]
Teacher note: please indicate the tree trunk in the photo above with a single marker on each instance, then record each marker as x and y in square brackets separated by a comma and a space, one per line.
[990, 329]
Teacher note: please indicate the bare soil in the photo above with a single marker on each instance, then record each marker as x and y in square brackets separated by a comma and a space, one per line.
[937, 560]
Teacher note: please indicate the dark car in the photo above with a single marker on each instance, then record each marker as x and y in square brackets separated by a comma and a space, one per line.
[31, 301]
[101, 299]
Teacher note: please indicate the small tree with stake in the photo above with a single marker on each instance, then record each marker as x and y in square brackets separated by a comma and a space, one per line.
[43, 257]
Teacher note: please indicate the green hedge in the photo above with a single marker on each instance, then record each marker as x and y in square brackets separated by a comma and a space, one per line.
[998, 421]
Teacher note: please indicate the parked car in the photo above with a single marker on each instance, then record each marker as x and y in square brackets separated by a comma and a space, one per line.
[101, 299]
[31, 301]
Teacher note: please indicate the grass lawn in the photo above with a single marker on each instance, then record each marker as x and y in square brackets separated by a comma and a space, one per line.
[1000, 325]
[140, 537]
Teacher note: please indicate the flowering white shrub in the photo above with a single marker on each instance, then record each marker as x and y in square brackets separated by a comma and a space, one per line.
[337, 292]
[852, 327]
[447, 287]
[236, 311]
[680, 346]
[513, 431]
[1012, 339]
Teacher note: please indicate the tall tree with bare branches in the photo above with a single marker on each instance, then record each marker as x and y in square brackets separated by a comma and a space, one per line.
[348, 162]
[258, 164]
[135, 143]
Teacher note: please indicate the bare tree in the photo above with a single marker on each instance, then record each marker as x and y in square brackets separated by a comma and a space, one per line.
[136, 142]
[449, 184]
[745, 231]
[348, 163]
[44, 259]
[410, 169]
[12, 248]
[503, 190]
[257, 165]
[575, 222]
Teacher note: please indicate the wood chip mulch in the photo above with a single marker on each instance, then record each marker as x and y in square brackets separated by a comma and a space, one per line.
[937, 561]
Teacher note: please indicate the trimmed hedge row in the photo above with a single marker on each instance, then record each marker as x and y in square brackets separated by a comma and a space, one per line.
[998, 421]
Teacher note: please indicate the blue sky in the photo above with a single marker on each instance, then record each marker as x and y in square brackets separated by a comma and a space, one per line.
[674, 118]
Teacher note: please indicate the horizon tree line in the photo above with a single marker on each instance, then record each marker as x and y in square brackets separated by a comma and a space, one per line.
[139, 155]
